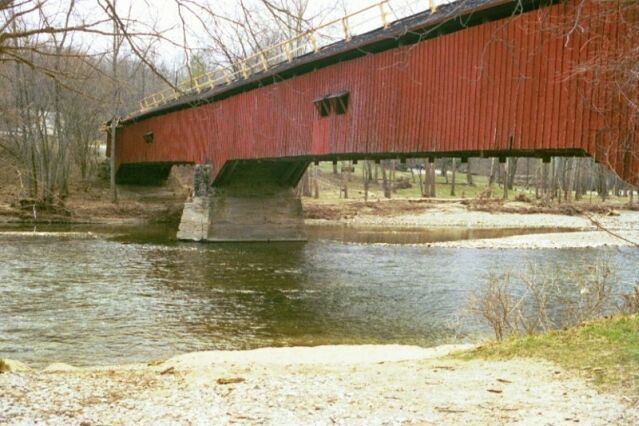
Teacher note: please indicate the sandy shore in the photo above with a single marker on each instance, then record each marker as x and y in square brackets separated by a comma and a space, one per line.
[591, 239]
[620, 230]
[350, 385]
[457, 215]
[623, 223]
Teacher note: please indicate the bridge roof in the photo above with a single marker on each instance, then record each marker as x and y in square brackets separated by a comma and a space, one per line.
[447, 18]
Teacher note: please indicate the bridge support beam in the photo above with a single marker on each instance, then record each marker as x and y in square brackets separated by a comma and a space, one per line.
[151, 174]
[248, 201]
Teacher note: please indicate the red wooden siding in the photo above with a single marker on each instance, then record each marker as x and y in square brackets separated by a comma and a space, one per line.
[503, 86]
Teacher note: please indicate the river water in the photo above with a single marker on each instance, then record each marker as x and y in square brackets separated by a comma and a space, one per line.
[128, 295]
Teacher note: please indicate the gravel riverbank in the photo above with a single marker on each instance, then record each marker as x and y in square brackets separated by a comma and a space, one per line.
[624, 224]
[590, 239]
[350, 385]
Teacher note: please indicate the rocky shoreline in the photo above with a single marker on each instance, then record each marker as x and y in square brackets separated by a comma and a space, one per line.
[621, 228]
[322, 385]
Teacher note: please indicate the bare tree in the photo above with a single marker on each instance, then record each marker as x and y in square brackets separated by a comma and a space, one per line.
[52, 106]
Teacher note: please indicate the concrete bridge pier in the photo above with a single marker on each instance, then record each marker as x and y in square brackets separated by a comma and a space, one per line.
[249, 200]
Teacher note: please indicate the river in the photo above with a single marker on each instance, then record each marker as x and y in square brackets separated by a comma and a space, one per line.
[124, 295]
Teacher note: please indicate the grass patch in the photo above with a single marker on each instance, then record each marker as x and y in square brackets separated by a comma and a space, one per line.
[605, 351]
[330, 188]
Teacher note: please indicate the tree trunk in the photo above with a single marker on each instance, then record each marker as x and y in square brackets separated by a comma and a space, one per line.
[387, 191]
[504, 172]
[34, 173]
[545, 172]
[469, 173]
[424, 179]
[365, 180]
[421, 183]
[511, 171]
[603, 183]
[444, 170]
[453, 168]
[391, 176]
[411, 167]
[345, 178]
[578, 180]
[114, 120]
[572, 170]
[433, 191]
[493, 171]
[554, 177]
[537, 179]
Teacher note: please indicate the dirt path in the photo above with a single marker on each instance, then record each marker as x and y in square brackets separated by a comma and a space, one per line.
[324, 385]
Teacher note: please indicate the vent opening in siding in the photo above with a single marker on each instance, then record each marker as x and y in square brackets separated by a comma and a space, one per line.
[323, 106]
[337, 103]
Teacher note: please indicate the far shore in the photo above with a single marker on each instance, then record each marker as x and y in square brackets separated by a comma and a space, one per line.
[618, 229]
[614, 229]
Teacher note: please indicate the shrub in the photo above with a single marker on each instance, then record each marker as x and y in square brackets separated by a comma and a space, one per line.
[532, 308]
[522, 197]
[631, 302]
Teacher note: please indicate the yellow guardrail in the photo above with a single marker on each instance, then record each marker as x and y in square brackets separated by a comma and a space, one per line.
[341, 29]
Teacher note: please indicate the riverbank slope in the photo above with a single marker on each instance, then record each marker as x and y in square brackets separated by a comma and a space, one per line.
[321, 385]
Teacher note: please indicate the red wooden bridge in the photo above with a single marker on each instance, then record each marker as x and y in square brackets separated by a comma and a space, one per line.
[474, 78]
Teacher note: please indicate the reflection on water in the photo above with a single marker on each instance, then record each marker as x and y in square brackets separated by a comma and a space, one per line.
[141, 296]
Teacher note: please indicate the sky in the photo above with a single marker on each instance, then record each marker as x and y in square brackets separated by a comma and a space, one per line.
[163, 16]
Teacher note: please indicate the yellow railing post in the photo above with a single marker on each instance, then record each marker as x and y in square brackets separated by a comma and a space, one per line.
[244, 70]
[313, 40]
[347, 35]
[287, 50]
[263, 60]
[382, 14]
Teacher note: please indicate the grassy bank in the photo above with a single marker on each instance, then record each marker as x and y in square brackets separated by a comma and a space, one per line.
[605, 351]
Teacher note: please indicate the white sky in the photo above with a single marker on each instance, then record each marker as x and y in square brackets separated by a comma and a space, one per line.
[163, 15]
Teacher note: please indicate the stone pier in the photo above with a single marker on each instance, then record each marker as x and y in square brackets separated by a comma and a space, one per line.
[247, 201]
